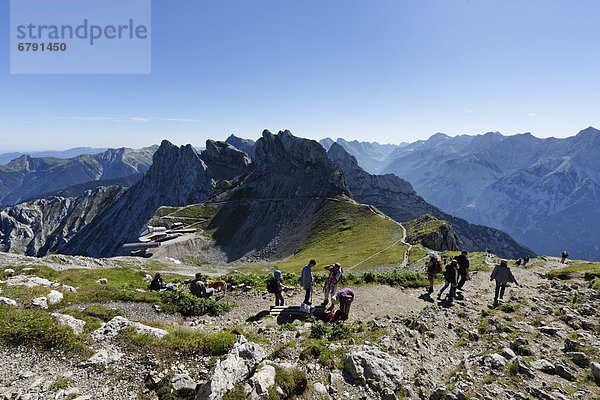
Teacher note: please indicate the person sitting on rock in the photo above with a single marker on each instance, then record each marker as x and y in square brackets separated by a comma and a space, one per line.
[502, 274]
[451, 277]
[157, 283]
[198, 287]
[331, 283]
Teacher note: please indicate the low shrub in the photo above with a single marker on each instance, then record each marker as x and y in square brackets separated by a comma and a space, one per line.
[318, 330]
[292, 381]
[189, 305]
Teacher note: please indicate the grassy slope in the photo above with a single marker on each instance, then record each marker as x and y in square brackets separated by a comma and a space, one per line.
[349, 233]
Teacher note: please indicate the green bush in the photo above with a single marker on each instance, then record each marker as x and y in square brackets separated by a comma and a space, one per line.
[340, 331]
[238, 393]
[189, 305]
[318, 329]
[292, 381]
[288, 327]
[37, 328]
[188, 340]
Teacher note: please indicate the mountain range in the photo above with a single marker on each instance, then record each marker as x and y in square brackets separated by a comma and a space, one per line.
[543, 192]
[263, 207]
[28, 177]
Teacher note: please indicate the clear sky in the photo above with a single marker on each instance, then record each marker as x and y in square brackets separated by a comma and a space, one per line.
[377, 70]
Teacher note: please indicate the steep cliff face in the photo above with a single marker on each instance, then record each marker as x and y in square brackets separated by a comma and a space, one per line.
[396, 198]
[27, 177]
[245, 145]
[270, 213]
[432, 233]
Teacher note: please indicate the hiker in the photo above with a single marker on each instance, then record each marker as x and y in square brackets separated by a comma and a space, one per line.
[463, 268]
[157, 283]
[277, 287]
[488, 253]
[451, 276]
[198, 287]
[432, 267]
[518, 262]
[502, 274]
[525, 260]
[344, 297]
[306, 281]
[331, 283]
[564, 256]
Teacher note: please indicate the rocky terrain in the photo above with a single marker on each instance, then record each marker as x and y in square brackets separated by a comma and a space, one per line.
[541, 343]
[26, 177]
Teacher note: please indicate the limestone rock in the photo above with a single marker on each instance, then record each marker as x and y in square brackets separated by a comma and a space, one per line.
[183, 383]
[579, 358]
[239, 364]
[8, 301]
[110, 329]
[54, 297]
[543, 365]
[76, 324]
[263, 379]
[371, 365]
[595, 367]
[40, 302]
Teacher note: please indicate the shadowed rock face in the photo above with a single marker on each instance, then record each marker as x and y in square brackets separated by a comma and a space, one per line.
[278, 199]
[396, 198]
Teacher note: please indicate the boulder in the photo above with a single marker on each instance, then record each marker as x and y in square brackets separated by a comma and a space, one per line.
[102, 281]
[54, 297]
[263, 379]
[544, 366]
[595, 367]
[70, 321]
[184, 384]
[105, 356]
[239, 364]
[321, 391]
[494, 361]
[371, 365]
[579, 358]
[508, 353]
[8, 301]
[9, 271]
[110, 329]
[40, 302]
[565, 372]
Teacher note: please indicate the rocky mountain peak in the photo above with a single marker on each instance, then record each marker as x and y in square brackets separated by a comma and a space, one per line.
[226, 160]
[245, 145]
[285, 148]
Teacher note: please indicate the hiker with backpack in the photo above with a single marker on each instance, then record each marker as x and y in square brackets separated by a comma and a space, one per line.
[331, 283]
[525, 260]
[451, 277]
[563, 257]
[503, 275]
[306, 281]
[344, 297]
[432, 267]
[463, 268]
[276, 286]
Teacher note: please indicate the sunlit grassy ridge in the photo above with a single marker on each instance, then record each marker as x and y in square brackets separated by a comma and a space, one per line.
[349, 233]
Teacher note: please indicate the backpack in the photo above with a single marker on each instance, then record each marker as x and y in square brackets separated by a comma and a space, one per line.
[437, 268]
[272, 285]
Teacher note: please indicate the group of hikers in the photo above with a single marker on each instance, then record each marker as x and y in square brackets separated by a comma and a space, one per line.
[456, 273]
[343, 297]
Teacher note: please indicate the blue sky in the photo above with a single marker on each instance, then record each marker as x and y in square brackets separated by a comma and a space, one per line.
[387, 71]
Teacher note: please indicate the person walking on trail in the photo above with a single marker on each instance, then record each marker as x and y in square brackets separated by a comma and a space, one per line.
[564, 256]
[451, 277]
[432, 267]
[331, 283]
[463, 268]
[279, 287]
[198, 287]
[306, 281]
[503, 275]
[525, 260]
